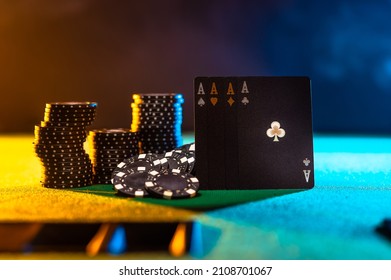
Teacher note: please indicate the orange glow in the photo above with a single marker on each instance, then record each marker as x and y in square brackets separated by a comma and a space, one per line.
[177, 246]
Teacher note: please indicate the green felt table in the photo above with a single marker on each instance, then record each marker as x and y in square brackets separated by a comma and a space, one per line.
[334, 220]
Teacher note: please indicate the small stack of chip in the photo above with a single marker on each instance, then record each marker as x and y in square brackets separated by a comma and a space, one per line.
[169, 175]
[158, 120]
[108, 147]
[59, 143]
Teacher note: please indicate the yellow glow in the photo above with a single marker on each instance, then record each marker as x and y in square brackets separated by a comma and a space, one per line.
[177, 246]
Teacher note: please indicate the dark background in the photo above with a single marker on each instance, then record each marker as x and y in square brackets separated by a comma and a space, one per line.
[104, 50]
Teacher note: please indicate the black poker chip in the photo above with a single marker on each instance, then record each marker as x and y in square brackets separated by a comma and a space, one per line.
[51, 151]
[131, 182]
[49, 141]
[104, 170]
[49, 131]
[59, 137]
[61, 119]
[114, 132]
[172, 183]
[59, 146]
[63, 178]
[63, 159]
[144, 96]
[176, 161]
[66, 169]
[111, 151]
[71, 113]
[190, 163]
[155, 127]
[62, 154]
[106, 161]
[103, 153]
[159, 138]
[67, 124]
[78, 161]
[68, 110]
[61, 140]
[189, 148]
[66, 185]
[69, 182]
[156, 145]
[164, 118]
[106, 165]
[59, 128]
[148, 161]
[116, 141]
[71, 105]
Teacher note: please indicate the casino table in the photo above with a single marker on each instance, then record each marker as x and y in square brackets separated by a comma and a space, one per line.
[337, 219]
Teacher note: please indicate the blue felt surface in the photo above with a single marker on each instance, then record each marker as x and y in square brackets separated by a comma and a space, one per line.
[335, 220]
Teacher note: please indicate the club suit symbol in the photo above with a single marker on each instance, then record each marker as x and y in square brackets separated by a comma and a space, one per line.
[275, 131]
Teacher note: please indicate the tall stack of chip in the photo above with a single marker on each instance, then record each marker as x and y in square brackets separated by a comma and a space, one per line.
[59, 143]
[108, 147]
[157, 117]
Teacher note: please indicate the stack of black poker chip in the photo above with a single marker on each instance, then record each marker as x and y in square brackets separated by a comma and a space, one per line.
[59, 143]
[157, 117]
[108, 147]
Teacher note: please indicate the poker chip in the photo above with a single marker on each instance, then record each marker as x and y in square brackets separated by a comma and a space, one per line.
[75, 168]
[104, 170]
[146, 161]
[172, 183]
[108, 147]
[168, 175]
[50, 132]
[190, 163]
[176, 161]
[64, 178]
[67, 185]
[59, 144]
[70, 105]
[67, 124]
[59, 155]
[131, 182]
[189, 148]
[157, 117]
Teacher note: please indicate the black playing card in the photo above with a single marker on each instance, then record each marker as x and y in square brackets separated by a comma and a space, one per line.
[275, 140]
[216, 133]
[259, 133]
[201, 128]
[231, 133]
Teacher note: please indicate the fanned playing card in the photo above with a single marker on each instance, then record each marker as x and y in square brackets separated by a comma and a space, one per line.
[260, 137]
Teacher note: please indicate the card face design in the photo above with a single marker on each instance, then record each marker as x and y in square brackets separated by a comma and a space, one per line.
[260, 137]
